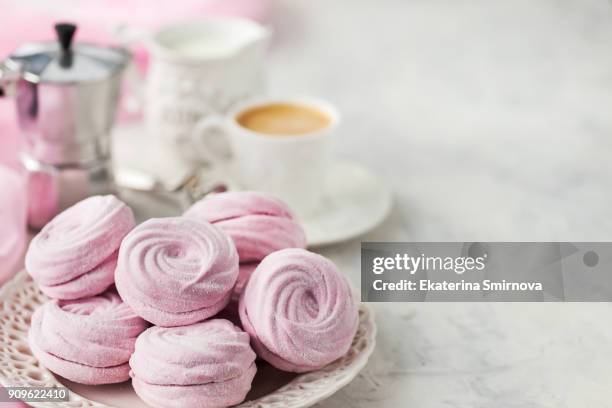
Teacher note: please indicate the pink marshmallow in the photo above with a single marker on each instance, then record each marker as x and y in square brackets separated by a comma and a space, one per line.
[244, 274]
[208, 364]
[231, 310]
[258, 224]
[80, 241]
[176, 271]
[81, 373]
[299, 310]
[88, 284]
[88, 340]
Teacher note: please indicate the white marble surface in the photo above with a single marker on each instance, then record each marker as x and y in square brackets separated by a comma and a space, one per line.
[492, 121]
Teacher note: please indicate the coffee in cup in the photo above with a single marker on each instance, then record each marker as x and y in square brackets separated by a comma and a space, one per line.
[284, 119]
[281, 146]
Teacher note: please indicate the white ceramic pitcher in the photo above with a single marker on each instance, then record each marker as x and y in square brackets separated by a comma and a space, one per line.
[199, 69]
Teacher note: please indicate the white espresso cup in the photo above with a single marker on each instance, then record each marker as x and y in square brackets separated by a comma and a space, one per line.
[292, 167]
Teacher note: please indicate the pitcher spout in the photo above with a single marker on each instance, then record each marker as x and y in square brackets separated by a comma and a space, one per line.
[209, 40]
[262, 37]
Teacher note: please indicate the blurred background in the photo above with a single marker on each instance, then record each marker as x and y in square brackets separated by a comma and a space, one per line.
[490, 120]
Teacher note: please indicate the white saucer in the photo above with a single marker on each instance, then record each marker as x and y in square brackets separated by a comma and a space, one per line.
[356, 201]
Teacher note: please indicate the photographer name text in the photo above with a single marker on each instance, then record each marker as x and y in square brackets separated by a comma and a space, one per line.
[458, 265]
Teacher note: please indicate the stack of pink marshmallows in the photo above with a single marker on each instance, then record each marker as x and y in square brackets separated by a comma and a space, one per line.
[140, 301]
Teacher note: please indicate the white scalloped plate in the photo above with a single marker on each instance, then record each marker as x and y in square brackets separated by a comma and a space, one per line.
[271, 388]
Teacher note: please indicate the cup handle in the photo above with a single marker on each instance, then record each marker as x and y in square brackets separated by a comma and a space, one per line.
[209, 140]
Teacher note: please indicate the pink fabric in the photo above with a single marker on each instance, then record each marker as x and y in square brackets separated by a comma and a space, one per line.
[89, 340]
[176, 271]
[43, 191]
[208, 364]
[12, 219]
[299, 310]
[8, 133]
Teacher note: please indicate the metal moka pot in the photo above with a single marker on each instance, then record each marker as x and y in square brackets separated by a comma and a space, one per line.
[66, 97]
